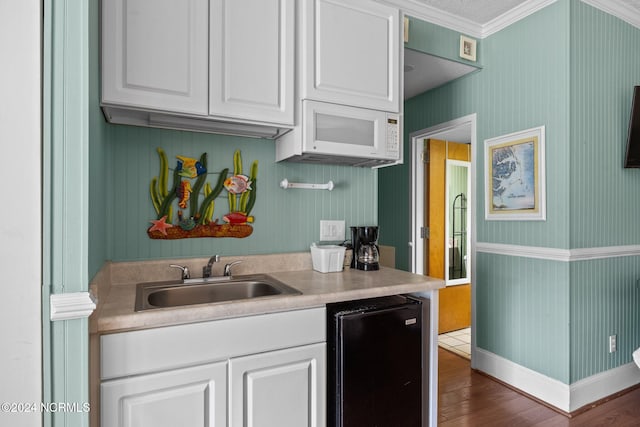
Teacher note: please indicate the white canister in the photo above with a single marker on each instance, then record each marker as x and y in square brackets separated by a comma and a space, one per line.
[327, 258]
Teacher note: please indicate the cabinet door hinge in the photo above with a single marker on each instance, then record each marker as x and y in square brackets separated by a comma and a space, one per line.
[424, 232]
[424, 156]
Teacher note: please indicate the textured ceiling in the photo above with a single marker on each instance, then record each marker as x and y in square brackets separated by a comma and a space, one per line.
[631, 4]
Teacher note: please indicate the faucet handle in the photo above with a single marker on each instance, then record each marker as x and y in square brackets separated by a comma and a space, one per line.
[185, 270]
[206, 270]
[227, 267]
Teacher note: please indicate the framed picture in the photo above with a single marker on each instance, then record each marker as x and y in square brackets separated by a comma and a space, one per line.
[467, 48]
[515, 176]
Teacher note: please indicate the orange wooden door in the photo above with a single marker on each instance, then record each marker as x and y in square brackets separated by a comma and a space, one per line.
[454, 301]
[435, 218]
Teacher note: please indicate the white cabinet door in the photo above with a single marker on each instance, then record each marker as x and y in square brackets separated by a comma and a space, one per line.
[352, 54]
[194, 397]
[252, 59]
[155, 54]
[283, 388]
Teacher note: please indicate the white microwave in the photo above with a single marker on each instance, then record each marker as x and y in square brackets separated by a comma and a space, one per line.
[339, 134]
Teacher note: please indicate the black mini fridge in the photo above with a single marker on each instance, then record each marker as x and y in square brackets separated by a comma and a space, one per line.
[377, 364]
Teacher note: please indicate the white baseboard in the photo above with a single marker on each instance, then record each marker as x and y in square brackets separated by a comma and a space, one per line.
[604, 384]
[565, 397]
[551, 391]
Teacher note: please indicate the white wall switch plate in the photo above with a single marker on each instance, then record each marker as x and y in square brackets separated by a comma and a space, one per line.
[331, 231]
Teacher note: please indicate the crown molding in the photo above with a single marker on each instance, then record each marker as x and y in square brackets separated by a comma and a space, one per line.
[435, 16]
[514, 15]
[617, 9]
[456, 23]
[428, 13]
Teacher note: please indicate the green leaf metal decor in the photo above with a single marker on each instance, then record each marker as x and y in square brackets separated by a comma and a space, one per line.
[195, 218]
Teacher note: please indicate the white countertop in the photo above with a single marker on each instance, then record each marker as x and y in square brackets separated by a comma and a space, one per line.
[115, 312]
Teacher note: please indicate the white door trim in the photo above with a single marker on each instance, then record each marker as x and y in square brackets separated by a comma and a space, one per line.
[417, 187]
[417, 202]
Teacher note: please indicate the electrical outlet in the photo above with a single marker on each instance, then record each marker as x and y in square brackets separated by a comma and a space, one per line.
[613, 344]
[331, 231]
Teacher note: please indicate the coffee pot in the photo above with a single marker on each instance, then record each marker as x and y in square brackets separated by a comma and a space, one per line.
[366, 255]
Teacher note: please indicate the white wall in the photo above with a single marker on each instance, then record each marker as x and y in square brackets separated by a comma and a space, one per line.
[20, 209]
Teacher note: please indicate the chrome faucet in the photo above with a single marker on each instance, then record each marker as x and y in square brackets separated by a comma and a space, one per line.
[227, 268]
[185, 271]
[206, 270]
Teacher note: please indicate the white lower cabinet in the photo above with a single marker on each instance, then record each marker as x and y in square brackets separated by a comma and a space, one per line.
[257, 371]
[279, 388]
[195, 397]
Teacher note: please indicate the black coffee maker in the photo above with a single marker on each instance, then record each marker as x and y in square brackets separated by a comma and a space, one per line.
[365, 248]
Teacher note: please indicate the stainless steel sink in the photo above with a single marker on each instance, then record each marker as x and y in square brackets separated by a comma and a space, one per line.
[202, 291]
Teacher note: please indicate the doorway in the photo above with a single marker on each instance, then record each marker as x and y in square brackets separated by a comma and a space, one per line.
[443, 223]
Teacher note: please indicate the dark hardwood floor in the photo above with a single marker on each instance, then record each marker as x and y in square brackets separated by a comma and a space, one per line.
[467, 398]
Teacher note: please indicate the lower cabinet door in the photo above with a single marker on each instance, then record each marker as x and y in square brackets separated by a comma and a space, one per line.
[284, 388]
[193, 397]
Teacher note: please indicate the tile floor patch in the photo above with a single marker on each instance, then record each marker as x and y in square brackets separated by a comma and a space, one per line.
[458, 342]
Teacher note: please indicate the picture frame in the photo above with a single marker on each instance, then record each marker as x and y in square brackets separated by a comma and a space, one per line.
[515, 176]
[467, 48]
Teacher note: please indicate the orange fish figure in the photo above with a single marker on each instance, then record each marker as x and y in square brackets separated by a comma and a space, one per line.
[184, 193]
[234, 218]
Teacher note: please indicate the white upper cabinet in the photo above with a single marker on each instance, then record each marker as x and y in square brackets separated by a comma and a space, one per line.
[155, 54]
[224, 66]
[352, 53]
[252, 59]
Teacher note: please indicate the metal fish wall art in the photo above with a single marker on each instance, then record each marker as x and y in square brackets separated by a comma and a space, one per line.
[195, 199]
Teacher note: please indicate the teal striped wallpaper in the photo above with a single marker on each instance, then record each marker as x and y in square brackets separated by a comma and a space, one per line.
[98, 152]
[605, 197]
[571, 68]
[605, 300]
[439, 41]
[522, 312]
[525, 84]
[605, 64]
[285, 220]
